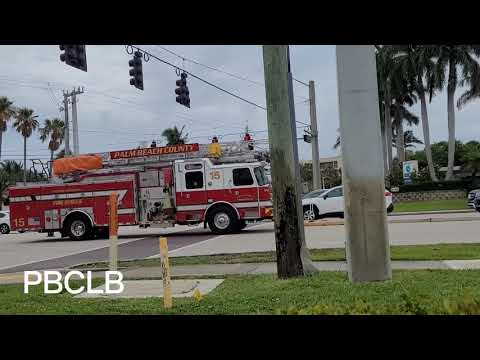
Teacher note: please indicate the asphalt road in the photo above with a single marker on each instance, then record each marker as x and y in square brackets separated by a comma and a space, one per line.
[33, 251]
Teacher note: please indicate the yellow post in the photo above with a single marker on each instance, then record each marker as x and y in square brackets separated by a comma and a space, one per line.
[167, 287]
[113, 252]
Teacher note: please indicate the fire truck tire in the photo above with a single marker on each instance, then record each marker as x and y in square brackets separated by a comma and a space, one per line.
[222, 220]
[241, 224]
[103, 232]
[78, 227]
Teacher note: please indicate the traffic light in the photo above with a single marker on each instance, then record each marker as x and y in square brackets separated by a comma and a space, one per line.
[136, 70]
[183, 97]
[74, 55]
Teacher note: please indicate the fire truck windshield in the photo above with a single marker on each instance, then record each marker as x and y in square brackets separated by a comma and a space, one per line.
[261, 176]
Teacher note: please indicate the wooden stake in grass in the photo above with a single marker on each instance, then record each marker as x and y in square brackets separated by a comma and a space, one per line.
[167, 286]
[113, 251]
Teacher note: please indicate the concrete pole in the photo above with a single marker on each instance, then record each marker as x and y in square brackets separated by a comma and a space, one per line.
[293, 258]
[76, 147]
[313, 125]
[67, 124]
[367, 244]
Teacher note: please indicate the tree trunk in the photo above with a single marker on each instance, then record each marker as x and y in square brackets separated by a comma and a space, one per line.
[25, 160]
[451, 120]
[426, 135]
[1, 142]
[51, 164]
[388, 133]
[400, 142]
[384, 150]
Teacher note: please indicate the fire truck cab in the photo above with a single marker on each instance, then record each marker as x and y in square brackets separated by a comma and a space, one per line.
[160, 187]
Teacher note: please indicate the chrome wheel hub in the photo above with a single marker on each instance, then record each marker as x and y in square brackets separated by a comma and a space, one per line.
[78, 228]
[221, 220]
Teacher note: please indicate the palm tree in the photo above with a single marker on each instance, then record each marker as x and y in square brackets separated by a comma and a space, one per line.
[384, 58]
[462, 68]
[12, 169]
[400, 114]
[6, 113]
[25, 123]
[175, 136]
[417, 62]
[409, 139]
[54, 131]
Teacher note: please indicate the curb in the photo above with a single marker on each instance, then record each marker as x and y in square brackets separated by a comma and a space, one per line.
[432, 212]
[394, 221]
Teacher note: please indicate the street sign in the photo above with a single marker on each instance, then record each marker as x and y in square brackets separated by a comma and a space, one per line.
[409, 168]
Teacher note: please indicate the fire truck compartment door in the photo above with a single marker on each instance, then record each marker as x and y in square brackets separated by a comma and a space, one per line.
[52, 219]
[150, 178]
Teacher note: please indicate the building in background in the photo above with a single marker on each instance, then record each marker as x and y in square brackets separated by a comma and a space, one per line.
[330, 172]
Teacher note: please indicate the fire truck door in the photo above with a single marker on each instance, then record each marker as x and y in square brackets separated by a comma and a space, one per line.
[192, 191]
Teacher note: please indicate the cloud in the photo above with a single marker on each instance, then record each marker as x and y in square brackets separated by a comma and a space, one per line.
[112, 114]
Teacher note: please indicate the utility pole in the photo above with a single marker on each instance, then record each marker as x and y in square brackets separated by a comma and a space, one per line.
[314, 130]
[367, 244]
[293, 258]
[67, 124]
[66, 95]
[76, 146]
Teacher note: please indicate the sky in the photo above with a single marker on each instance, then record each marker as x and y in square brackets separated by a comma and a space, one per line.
[113, 115]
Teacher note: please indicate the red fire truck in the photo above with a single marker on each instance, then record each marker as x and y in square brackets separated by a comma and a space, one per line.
[157, 186]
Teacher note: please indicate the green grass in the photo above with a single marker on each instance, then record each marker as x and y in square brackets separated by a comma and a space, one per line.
[398, 252]
[433, 205]
[410, 292]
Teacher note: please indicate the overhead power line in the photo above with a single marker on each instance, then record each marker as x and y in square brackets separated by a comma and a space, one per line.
[211, 67]
[239, 77]
[198, 78]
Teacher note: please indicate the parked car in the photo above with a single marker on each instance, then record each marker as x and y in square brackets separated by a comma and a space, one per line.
[4, 222]
[471, 197]
[329, 202]
[476, 201]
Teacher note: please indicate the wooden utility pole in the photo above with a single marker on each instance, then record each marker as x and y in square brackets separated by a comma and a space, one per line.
[113, 250]
[293, 258]
[367, 245]
[313, 126]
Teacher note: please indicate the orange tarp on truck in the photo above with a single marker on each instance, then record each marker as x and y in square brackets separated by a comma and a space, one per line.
[76, 163]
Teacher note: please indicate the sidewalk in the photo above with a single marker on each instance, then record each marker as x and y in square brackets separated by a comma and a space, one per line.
[155, 272]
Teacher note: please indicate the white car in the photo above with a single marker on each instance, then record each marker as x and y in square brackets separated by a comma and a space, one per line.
[329, 202]
[4, 222]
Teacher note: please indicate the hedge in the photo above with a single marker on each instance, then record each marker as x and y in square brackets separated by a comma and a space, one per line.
[432, 186]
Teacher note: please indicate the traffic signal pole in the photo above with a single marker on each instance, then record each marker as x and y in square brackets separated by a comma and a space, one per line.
[313, 126]
[367, 244]
[293, 258]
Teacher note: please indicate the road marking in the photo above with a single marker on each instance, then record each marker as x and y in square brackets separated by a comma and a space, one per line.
[92, 249]
[201, 242]
[59, 257]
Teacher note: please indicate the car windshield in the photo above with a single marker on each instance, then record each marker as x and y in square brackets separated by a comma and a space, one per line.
[314, 194]
[261, 176]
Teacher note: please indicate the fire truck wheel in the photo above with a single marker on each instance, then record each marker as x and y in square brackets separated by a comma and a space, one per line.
[222, 220]
[242, 224]
[78, 227]
[103, 233]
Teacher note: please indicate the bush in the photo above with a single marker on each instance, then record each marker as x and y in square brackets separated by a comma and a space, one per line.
[442, 185]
